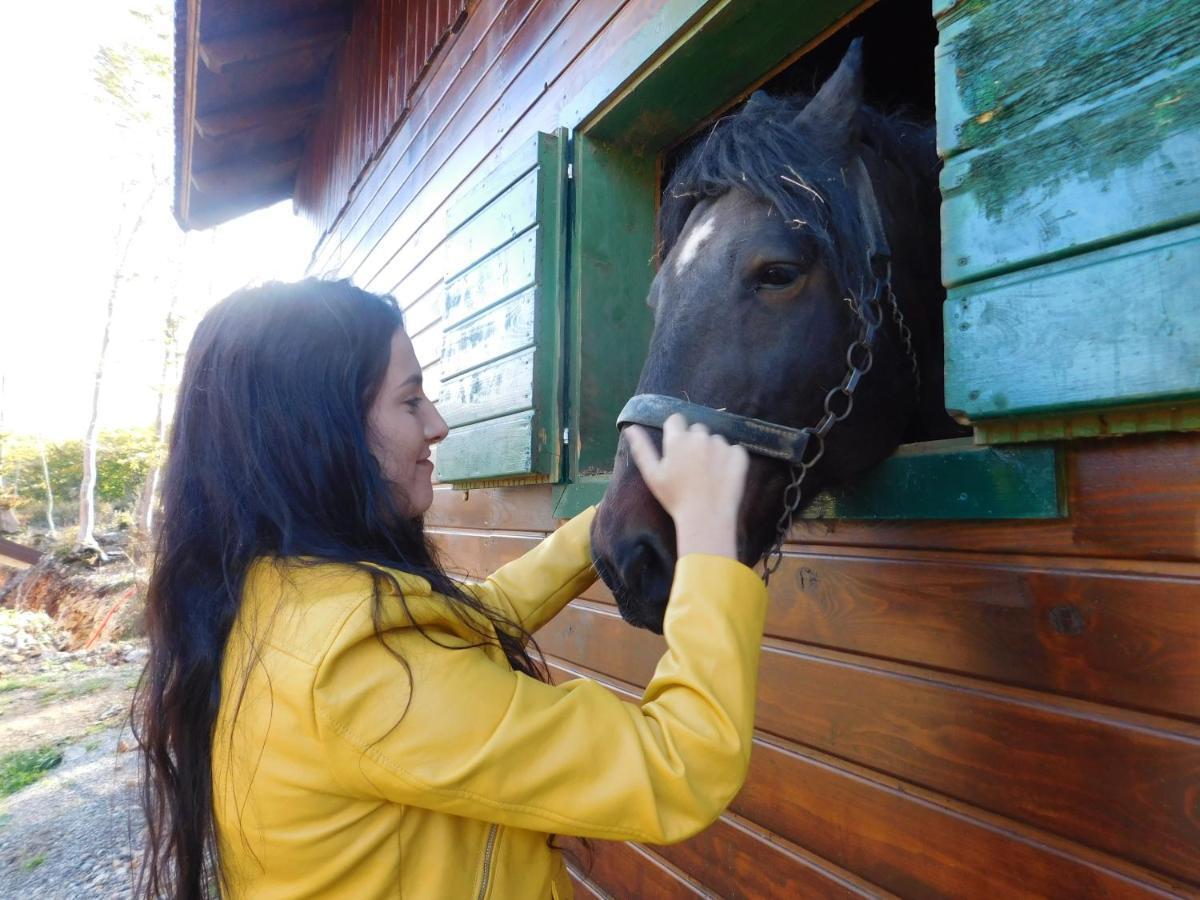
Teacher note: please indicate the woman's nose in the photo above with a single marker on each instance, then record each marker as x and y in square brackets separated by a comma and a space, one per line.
[436, 428]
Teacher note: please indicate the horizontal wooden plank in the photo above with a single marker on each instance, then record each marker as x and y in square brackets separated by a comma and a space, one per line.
[908, 840]
[502, 330]
[952, 479]
[1183, 416]
[428, 345]
[491, 449]
[522, 509]
[426, 309]
[1102, 777]
[735, 858]
[485, 187]
[1132, 498]
[505, 272]
[627, 870]
[1124, 636]
[493, 226]
[1006, 69]
[1116, 633]
[1113, 327]
[490, 391]
[1041, 197]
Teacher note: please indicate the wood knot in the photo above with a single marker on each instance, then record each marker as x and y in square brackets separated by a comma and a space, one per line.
[1066, 619]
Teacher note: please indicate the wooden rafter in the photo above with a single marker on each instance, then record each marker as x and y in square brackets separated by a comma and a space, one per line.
[264, 112]
[320, 32]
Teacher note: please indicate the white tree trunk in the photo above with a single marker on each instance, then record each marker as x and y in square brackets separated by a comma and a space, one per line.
[49, 491]
[87, 487]
[148, 501]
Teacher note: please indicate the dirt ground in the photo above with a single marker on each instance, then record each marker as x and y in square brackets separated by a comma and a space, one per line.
[69, 662]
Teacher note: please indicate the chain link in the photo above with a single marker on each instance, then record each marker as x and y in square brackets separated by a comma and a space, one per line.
[859, 359]
[902, 327]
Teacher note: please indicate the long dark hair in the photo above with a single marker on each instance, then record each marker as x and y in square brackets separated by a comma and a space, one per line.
[268, 458]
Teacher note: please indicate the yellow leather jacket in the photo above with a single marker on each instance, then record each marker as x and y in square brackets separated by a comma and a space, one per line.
[340, 771]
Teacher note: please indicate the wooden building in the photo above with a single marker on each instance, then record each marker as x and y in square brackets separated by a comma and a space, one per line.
[987, 686]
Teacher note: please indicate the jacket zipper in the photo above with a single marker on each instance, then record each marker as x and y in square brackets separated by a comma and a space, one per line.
[487, 861]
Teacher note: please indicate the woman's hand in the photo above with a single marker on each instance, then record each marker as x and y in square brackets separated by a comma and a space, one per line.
[699, 480]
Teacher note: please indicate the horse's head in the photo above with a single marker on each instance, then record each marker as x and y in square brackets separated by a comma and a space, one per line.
[767, 230]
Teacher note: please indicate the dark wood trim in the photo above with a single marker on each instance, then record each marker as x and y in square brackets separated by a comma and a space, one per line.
[17, 555]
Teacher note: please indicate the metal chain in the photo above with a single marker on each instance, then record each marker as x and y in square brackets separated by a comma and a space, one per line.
[859, 359]
[902, 327]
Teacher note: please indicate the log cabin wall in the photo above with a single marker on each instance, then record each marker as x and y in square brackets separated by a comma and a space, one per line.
[984, 709]
[389, 49]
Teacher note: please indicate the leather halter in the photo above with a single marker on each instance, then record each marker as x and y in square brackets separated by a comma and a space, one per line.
[756, 435]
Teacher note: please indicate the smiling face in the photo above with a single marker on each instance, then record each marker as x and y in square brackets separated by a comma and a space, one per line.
[402, 426]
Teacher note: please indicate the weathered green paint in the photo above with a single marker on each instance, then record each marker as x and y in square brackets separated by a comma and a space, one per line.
[1148, 420]
[937, 480]
[493, 390]
[506, 271]
[496, 181]
[1007, 68]
[1078, 126]
[492, 449]
[1115, 327]
[502, 329]
[611, 272]
[503, 218]
[1092, 176]
[501, 355]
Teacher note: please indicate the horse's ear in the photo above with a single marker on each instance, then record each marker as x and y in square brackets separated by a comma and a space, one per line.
[837, 103]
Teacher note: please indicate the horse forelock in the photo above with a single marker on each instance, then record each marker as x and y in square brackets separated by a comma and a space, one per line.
[806, 176]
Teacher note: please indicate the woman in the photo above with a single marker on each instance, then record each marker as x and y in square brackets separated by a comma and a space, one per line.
[326, 712]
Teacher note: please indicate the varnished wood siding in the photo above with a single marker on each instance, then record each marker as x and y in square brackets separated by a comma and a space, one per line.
[970, 709]
[390, 47]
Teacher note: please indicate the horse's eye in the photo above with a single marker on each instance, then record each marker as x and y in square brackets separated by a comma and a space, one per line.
[778, 275]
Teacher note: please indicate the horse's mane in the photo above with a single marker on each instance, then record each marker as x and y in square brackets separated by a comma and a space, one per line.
[762, 150]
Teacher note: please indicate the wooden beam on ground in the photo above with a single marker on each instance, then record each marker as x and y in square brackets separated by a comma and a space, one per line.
[320, 32]
[17, 556]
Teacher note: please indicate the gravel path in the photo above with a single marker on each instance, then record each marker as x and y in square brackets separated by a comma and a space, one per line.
[70, 835]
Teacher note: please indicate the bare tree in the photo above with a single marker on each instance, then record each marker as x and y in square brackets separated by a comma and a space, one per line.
[148, 500]
[133, 79]
[87, 486]
[49, 490]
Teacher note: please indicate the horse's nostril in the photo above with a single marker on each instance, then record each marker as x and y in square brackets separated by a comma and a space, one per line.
[645, 568]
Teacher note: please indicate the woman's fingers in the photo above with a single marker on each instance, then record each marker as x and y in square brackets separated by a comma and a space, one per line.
[642, 449]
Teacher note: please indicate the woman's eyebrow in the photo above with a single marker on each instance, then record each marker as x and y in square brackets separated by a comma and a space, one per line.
[416, 379]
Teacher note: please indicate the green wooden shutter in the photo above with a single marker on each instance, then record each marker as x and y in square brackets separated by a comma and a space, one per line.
[1071, 193]
[501, 367]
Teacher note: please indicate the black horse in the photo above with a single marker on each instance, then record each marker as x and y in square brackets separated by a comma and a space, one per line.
[777, 230]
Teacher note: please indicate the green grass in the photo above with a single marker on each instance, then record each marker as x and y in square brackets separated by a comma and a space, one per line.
[68, 690]
[7, 685]
[22, 768]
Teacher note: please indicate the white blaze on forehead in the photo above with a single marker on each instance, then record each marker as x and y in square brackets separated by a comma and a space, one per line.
[691, 243]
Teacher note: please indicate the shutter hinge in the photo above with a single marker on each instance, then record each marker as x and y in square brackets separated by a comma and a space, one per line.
[570, 171]
[566, 436]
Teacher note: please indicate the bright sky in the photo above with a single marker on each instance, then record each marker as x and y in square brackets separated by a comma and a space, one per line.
[66, 168]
